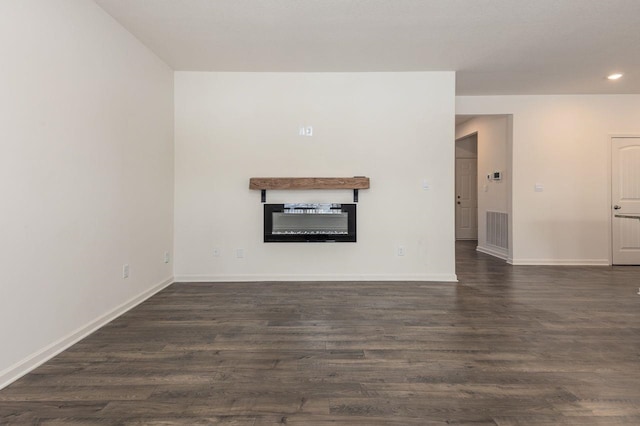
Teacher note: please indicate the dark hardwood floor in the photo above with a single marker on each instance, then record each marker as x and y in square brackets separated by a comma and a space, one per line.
[506, 345]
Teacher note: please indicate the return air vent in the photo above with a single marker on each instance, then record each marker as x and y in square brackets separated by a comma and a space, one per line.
[497, 229]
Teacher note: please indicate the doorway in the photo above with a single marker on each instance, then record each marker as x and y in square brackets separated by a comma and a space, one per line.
[488, 141]
[625, 201]
[467, 188]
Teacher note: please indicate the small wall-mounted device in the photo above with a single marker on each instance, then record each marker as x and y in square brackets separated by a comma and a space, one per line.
[496, 176]
[305, 131]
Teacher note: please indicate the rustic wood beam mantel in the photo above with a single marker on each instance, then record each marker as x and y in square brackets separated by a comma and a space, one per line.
[300, 183]
[309, 183]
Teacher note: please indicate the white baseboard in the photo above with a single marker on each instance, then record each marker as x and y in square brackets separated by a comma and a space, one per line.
[560, 262]
[13, 373]
[492, 252]
[316, 277]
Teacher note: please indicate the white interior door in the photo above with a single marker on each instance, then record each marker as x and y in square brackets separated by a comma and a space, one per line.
[625, 200]
[466, 199]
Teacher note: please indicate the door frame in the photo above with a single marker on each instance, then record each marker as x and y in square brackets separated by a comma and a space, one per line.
[609, 158]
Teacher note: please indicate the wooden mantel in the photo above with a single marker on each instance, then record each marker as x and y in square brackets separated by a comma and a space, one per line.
[300, 183]
[309, 183]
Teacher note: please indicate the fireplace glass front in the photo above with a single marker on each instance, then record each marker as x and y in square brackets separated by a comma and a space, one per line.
[309, 223]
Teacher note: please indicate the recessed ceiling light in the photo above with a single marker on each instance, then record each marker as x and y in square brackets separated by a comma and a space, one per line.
[615, 76]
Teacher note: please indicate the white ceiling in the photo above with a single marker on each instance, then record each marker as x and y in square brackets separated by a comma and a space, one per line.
[496, 46]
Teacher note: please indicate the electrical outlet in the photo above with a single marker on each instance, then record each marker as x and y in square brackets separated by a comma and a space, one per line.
[400, 251]
[240, 253]
[167, 257]
[125, 271]
[216, 252]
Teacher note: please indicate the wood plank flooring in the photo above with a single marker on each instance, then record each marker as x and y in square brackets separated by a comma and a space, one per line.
[505, 346]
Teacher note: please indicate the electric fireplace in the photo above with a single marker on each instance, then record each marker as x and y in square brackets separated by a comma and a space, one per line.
[294, 223]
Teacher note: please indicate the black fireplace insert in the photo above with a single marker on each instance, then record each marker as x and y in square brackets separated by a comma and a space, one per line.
[295, 223]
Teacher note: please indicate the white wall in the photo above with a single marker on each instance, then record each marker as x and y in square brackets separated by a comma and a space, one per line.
[395, 128]
[562, 143]
[86, 175]
[493, 148]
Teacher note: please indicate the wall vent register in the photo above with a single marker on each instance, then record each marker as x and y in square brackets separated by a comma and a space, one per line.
[301, 222]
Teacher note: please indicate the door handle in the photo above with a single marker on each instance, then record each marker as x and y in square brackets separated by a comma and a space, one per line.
[458, 202]
[458, 196]
[617, 207]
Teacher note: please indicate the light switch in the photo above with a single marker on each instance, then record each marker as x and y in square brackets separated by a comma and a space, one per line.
[538, 187]
[425, 185]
